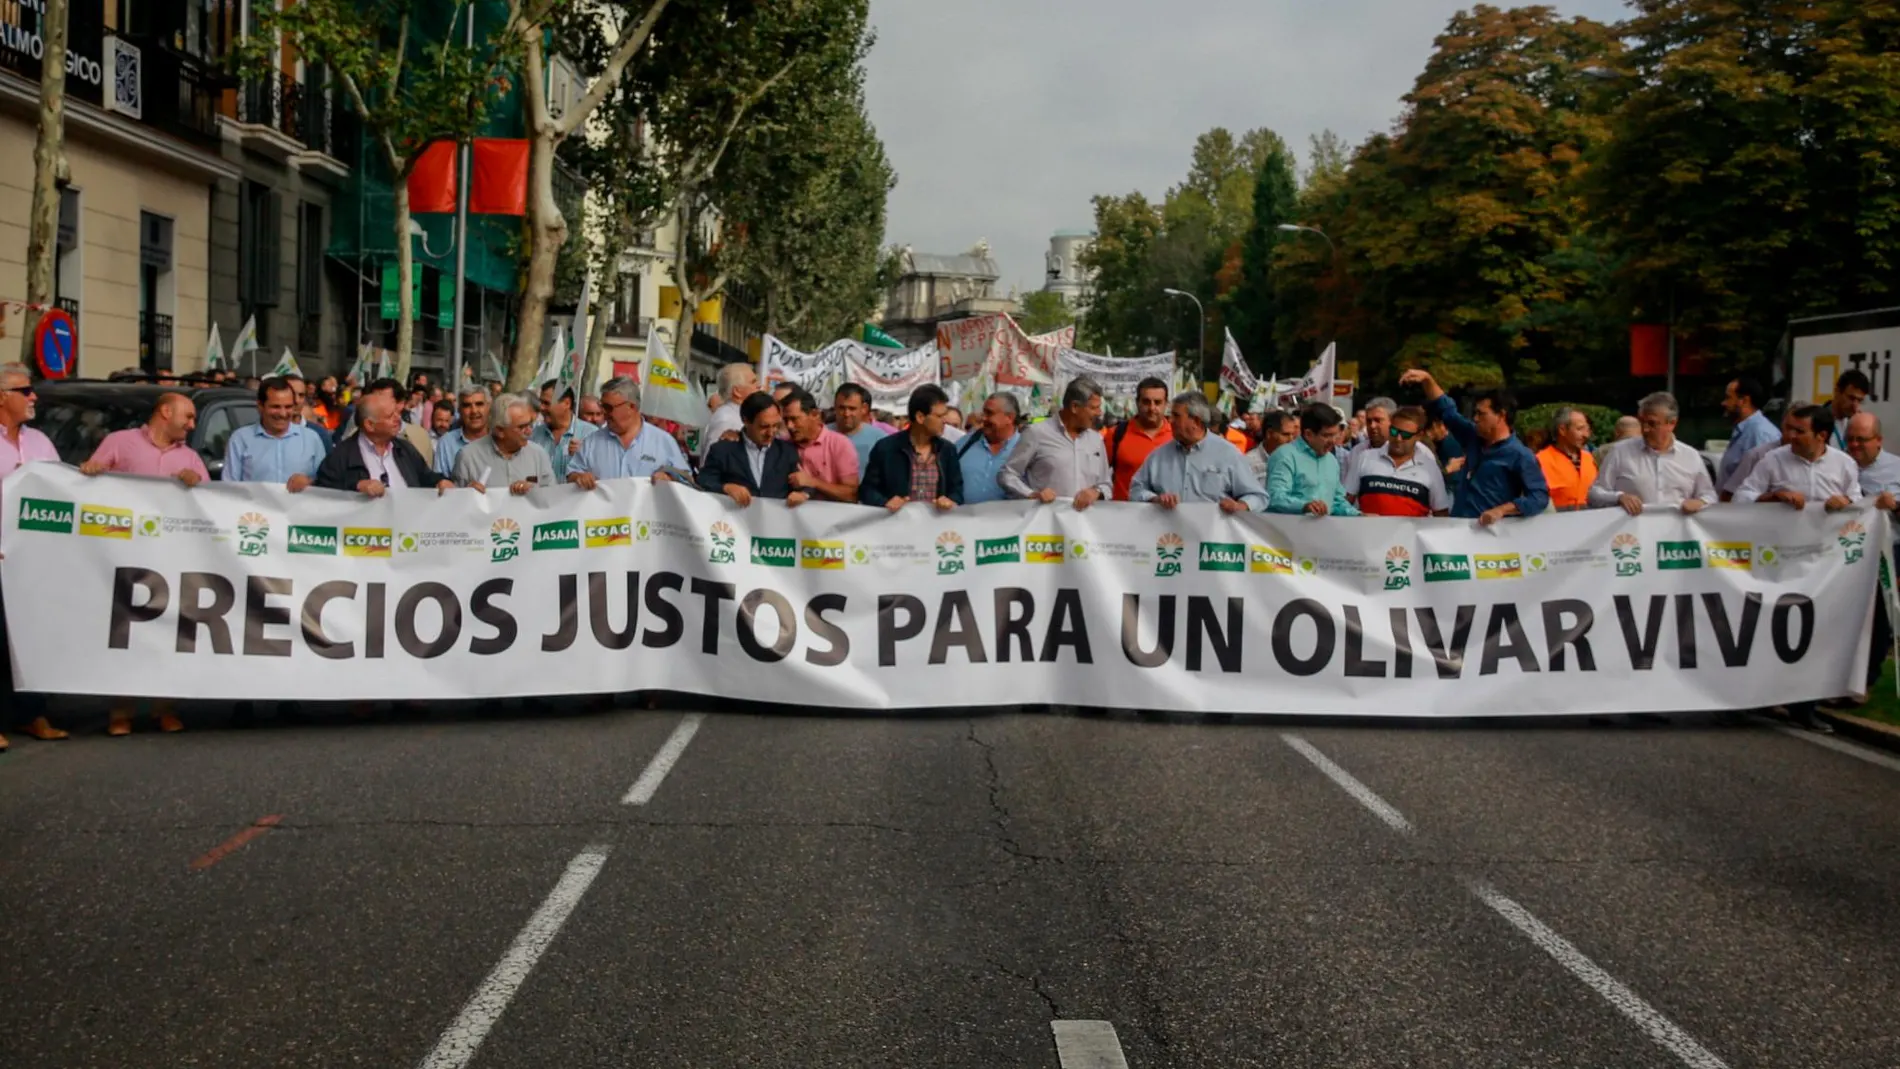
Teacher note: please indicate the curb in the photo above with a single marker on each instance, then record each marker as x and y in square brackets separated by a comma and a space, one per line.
[1873, 732]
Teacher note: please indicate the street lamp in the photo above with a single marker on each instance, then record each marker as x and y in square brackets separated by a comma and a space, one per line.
[1203, 314]
[1290, 228]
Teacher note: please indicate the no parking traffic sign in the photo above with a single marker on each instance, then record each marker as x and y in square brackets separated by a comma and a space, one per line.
[56, 344]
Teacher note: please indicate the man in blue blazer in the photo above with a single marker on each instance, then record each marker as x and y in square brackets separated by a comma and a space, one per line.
[760, 463]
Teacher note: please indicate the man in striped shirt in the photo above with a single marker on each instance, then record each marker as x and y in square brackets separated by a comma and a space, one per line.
[1402, 479]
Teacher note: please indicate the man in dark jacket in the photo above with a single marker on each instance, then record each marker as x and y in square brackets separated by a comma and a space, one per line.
[918, 464]
[760, 463]
[376, 458]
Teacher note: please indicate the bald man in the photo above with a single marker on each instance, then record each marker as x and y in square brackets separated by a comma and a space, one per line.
[162, 447]
[377, 459]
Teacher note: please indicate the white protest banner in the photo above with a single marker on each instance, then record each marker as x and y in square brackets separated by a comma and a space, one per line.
[890, 375]
[665, 391]
[1235, 375]
[1117, 376]
[995, 345]
[232, 590]
[1317, 383]
[821, 372]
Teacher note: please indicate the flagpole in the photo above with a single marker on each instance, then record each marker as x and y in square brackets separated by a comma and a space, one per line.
[461, 234]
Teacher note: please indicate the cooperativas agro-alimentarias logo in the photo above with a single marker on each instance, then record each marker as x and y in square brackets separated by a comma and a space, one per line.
[253, 534]
[949, 553]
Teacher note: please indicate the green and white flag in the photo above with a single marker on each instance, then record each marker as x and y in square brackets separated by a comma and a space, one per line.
[382, 363]
[245, 345]
[491, 366]
[286, 365]
[362, 365]
[551, 363]
[214, 350]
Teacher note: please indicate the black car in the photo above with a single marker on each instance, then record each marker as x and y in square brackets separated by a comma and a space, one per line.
[77, 414]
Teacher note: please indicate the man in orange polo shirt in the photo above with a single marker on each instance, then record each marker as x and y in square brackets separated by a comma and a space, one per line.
[1568, 468]
[1130, 443]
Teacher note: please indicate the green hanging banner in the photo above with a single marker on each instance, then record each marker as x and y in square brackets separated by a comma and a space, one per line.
[873, 336]
[392, 304]
[445, 302]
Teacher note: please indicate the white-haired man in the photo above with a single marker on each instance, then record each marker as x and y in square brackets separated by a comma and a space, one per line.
[1196, 465]
[505, 456]
[1654, 470]
[735, 382]
[628, 447]
[474, 405]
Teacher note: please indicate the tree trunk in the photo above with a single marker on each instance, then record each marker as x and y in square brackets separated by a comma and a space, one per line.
[547, 232]
[686, 216]
[48, 166]
[618, 238]
[405, 286]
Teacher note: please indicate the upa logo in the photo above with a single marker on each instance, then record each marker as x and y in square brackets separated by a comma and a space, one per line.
[1398, 568]
[1269, 560]
[561, 534]
[1447, 567]
[253, 534]
[1223, 557]
[774, 552]
[603, 534]
[39, 514]
[1627, 550]
[825, 556]
[366, 541]
[1853, 540]
[949, 553]
[321, 541]
[1169, 549]
[1735, 556]
[998, 551]
[1047, 549]
[102, 522]
[1678, 556]
[724, 544]
[504, 540]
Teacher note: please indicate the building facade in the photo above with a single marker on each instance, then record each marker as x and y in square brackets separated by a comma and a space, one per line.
[1064, 272]
[931, 289]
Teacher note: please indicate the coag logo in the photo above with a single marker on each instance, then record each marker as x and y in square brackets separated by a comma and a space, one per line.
[1398, 568]
[1853, 540]
[828, 556]
[39, 514]
[253, 534]
[1168, 552]
[618, 531]
[1261, 560]
[1047, 549]
[366, 541]
[1223, 557]
[1678, 556]
[318, 540]
[562, 534]
[998, 551]
[102, 522]
[1627, 550]
[1500, 566]
[949, 553]
[724, 544]
[504, 540]
[1736, 556]
[775, 552]
[1447, 567]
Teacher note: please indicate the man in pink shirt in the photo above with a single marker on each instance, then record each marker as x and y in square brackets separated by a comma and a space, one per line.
[20, 444]
[827, 461]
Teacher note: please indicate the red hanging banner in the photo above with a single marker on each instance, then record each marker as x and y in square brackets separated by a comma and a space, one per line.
[432, 182]
[499, 182]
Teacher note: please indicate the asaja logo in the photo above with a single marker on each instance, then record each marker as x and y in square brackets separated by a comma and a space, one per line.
[253, 534]
[1447, 567]
[102, 522]
[1223, 557]
[998, 551]
[39, 514]
[1500, 566]
[724, 544]
[1738, 556]
[561, 534]
[642, 531]
[151, 526]
[504, 540]
[949, 553]
[1269, 560]
[1047, 549]
[775, 552]
[1627, 549]
[318, 540]
[408, 542]
[1678, 556]
[1168, 552]
[828, 556]
[1853, 540]
[366, 541]
[616, 531]
[1398, 568]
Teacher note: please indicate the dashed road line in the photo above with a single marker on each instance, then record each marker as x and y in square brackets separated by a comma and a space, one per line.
[1088, 1045]
[643, 788]
[1364, 794]
[229, 846]
[464, 1035]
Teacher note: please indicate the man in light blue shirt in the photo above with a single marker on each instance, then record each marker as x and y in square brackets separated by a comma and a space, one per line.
[1196, 465]
[1742, 405]
[1303, 475]
[628, 447]
[559, 432]
[852, 409]
[275, 449]
[983, 456]
[474, 406]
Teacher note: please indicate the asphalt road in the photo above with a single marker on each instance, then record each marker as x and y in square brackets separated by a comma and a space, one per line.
[816, 891]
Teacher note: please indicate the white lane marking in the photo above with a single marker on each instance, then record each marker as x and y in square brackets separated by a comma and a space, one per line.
[1379, 807]
[1872, 757]
[1629, 1003]
[642, 790]
[464, 1036]
[1088, 1045]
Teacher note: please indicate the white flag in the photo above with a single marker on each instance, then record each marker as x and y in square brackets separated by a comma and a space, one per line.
[214, 350]
[382, 363]
[1234, 372]
[1318, 383]
[245, 344]
[286, 366]
[551, 363]
[492, 365]
[665, 391]
[361, 367]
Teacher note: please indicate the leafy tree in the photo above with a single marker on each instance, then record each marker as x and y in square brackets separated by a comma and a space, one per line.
[1042, 311]
[1122, 313]
[1250, 307]
[1326, 162]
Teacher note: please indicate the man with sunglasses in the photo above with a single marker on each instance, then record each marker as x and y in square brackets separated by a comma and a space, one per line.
[1401, 479]
[20, 444]
[377, 459]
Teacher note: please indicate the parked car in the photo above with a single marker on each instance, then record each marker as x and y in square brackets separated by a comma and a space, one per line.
[78, 413]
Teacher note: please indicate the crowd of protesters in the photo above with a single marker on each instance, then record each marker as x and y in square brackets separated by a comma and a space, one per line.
[1427, 459]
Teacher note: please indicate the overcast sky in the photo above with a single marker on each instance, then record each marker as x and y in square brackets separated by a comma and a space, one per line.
[1003, 117]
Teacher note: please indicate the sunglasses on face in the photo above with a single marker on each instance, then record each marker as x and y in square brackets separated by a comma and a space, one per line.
[1403, 436]
[23, 391]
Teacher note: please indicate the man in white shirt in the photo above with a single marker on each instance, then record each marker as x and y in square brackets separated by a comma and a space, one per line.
[1808, 469]
[1879, 480]
[736, 382]
[1726, 486]
[1656, 469]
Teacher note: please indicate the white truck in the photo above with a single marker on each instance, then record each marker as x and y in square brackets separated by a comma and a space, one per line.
[1823, 347]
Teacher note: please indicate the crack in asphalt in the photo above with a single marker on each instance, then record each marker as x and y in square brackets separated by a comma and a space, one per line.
[1034, 980]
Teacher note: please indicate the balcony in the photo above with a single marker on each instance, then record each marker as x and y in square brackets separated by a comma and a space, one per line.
[181, 94]
[288, 119]
[635, 328]
[155, 342]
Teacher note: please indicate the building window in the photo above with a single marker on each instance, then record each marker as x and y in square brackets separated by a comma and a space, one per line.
[156, 295]
[310, 243]
[67, 281]
[260, 220]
